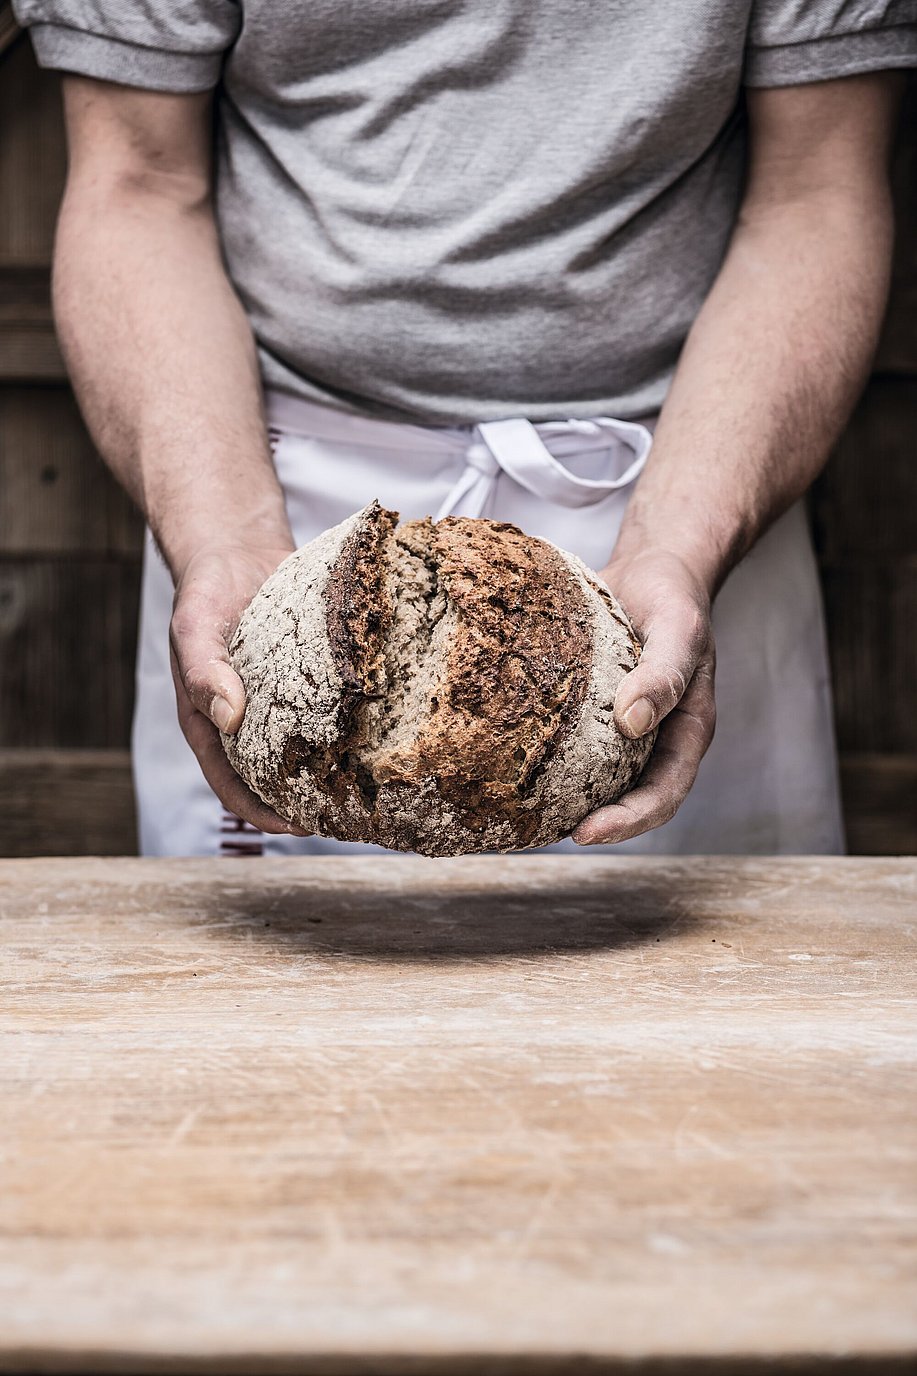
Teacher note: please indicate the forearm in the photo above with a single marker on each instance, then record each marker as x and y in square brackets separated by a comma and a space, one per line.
[163, 363]
[767, 378]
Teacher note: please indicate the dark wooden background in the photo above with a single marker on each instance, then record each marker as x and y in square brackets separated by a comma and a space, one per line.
[70, 542]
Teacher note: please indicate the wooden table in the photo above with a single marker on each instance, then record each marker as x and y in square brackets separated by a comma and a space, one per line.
[434, 1116]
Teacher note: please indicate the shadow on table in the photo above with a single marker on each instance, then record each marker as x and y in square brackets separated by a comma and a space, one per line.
[399, 923]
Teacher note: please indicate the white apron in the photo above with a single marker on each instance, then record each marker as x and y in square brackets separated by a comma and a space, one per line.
[768, 784]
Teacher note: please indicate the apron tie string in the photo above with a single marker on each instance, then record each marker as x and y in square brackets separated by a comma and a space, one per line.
[516, 448]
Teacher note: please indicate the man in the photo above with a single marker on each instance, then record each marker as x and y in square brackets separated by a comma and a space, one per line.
[422, 219]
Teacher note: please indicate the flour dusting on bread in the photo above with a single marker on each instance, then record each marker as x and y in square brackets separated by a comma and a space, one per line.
[439, 687]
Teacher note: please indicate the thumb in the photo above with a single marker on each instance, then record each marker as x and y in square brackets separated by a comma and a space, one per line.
[202, 664]
[676, 638]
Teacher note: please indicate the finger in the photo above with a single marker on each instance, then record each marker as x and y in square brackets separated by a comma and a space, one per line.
[198, 639]
[677, 638]
[681, 745]
[232, 791]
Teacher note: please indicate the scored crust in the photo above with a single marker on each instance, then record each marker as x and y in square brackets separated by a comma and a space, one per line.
[461, 677]
[514, 677]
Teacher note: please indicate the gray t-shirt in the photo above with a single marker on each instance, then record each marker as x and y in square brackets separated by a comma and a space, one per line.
[459, 210]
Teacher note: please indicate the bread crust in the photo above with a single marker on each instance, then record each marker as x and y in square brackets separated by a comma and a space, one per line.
[512, 741]
[515, 678]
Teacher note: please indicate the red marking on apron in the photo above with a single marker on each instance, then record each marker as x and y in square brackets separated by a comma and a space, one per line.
[232, 825]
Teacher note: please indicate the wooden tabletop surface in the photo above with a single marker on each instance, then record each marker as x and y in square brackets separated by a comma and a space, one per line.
[490, 1115]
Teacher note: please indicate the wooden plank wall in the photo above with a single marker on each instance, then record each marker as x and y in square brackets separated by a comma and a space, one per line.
[864, 513]
[70, 542]
[69, 538]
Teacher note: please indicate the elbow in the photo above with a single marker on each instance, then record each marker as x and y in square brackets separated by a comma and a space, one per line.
[101, 188]
[107, 215]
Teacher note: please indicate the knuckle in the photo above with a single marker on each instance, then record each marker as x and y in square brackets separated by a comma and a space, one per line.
[662, 809]
[687, 631]
[188, 717]
[676, 682]
[697, 628]
[183, 624]
[191, 680]
[667, 688]
[198, 689]
[709, 722]
[703, 718]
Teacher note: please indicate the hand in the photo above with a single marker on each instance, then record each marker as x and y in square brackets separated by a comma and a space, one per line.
[213, 590]
[673, 684]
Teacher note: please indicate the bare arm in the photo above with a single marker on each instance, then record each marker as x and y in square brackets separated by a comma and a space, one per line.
[163, 362]
[770, 372]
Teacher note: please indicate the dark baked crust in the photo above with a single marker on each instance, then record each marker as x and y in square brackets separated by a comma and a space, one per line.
[515, 677]
[357, 608]
[443, 688]
[358, 615]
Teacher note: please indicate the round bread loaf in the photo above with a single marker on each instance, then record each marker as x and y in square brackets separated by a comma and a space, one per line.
[443, 688]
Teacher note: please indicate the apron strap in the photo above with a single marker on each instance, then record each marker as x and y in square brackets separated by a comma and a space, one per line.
[515, 447]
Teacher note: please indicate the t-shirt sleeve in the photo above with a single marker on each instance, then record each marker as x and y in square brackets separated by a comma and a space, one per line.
[160, 45]
[794, 41]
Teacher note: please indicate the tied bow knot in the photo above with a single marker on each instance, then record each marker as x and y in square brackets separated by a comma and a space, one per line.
[517, 449]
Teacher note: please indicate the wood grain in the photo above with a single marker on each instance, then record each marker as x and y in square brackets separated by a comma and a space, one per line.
[67, 637]
[871, 610]
[864, 505]
[351, 1115]
[32, 159]
[9, 29]
[898, 346]
[29, 351]
[66, 802]
[880, 802]
[59, 498]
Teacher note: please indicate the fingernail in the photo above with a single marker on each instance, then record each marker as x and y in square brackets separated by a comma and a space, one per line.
[639, 717]
[221, 713]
